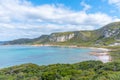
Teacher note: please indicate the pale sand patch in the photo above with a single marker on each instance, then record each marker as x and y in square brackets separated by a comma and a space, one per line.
[105, 58]
[102, 54]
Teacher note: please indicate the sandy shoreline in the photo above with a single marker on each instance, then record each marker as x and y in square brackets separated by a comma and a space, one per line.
[102, 54]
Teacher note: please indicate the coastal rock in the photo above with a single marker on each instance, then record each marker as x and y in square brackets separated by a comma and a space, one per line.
[110, 33]
[111, 30]
[61, 38]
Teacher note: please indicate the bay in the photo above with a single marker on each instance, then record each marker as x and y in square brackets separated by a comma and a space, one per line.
[16, 55]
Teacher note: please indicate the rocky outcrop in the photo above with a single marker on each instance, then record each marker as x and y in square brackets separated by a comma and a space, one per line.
[115, 44]
[111, 30]
[110, 33]
[61, 38]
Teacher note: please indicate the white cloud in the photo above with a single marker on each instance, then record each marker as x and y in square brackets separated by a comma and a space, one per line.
[86, 6]
[19, 18]
[115, 2]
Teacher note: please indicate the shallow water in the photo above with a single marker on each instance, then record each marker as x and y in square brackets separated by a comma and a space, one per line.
[15, 55]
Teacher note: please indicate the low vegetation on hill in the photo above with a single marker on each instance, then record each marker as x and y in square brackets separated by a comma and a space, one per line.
[88, 70]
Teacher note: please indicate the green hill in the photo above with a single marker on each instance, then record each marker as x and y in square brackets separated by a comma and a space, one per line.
[107, 35]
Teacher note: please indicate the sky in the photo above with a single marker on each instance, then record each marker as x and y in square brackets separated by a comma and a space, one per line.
[32, 18]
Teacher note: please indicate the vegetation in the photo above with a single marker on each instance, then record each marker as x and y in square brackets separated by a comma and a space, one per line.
[88, 70]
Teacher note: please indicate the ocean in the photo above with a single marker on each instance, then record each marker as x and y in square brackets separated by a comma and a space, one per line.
[16, 55]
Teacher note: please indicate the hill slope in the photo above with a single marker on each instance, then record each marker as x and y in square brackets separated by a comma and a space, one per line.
[108, 34]
[88, 70]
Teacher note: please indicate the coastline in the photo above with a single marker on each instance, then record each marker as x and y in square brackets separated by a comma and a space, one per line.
[101, 53]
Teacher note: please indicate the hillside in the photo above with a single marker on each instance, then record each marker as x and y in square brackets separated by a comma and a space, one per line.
[107, 35]
[88, 70]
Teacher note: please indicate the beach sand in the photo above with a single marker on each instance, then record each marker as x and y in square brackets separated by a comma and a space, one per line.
[102, 54]
[105, 58]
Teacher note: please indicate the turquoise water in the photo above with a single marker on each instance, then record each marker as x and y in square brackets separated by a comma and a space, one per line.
[15, 55]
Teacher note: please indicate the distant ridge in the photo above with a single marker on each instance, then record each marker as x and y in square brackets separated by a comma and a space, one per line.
[107, 35]
[2, 42]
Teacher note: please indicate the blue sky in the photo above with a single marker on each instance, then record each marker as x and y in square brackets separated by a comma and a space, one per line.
[32, 18]
[97, 5]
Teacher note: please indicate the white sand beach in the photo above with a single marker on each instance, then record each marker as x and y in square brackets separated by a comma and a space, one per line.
[105, 58]
[102, 54]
